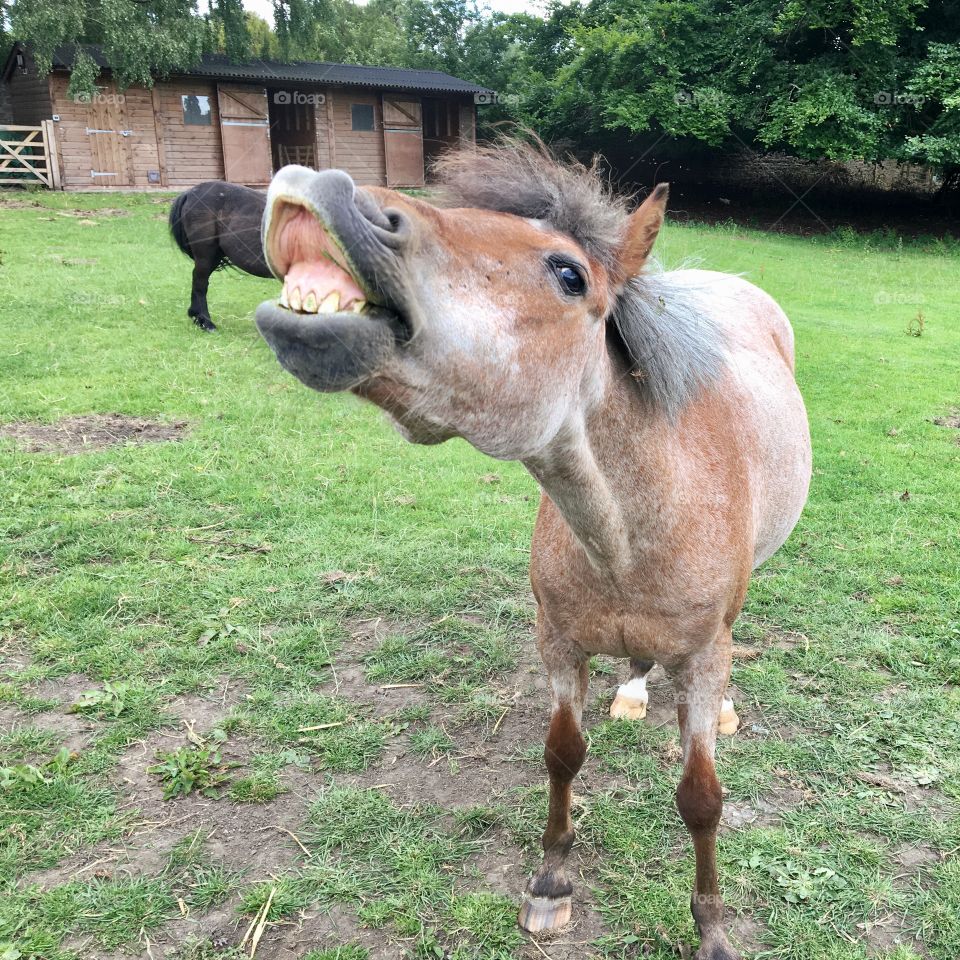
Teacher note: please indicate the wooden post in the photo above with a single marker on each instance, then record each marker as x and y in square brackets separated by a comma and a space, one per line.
[52, 149]
[160, 133]
[331, 130]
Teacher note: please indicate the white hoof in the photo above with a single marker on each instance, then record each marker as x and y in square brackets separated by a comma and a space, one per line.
[543, 913]
[729, 722]
[631, 700]
[626, 708]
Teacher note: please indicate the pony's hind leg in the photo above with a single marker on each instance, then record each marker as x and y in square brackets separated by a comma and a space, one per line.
[547, 902]
[199, 312]
[630, 703]
[729, 722]
[631, 700]
[700, 687]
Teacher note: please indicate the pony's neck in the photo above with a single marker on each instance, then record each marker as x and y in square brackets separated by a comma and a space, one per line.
[593, 477]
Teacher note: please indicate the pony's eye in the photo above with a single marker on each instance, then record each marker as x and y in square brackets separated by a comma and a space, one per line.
[571, 279]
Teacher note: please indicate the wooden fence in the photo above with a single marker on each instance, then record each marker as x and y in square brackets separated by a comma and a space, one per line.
[28, 155]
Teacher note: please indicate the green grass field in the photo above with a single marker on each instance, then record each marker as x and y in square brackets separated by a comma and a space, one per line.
[315, 641]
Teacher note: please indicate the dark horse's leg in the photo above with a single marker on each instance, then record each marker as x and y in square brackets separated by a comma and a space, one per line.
[700, 686]
[547, 903]
[203, 266]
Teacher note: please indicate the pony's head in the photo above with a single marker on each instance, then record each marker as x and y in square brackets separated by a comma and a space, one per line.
[490, 318]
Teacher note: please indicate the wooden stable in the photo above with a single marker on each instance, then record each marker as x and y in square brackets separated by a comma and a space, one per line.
[240, 122]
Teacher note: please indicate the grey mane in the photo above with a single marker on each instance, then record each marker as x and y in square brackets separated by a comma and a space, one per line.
[673, 348]
[660, 326]
[525, 179]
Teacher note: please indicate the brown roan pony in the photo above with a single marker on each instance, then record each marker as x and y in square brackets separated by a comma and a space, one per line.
[657, 411]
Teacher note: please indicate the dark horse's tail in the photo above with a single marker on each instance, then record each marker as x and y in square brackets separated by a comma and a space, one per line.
[177, 229]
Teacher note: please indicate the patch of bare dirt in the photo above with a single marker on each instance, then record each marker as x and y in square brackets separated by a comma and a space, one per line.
[318, 928]
[913, 857]
[952, 420]
[99, 212]
[74, 730]
[258, 840]
[12, 204]
[83, 434]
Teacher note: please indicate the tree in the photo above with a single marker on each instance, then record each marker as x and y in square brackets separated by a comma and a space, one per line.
[138, 37]
[836, 79]
[263, 41]
[6, 39]
[230, 29]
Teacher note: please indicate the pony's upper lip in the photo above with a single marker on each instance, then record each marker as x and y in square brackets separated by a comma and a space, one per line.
[317, 275]
[333, 247]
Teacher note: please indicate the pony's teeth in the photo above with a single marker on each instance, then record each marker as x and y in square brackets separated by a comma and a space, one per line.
[295, 302]
[310, 303]
[358, 305]
[284, 300]
[331, 303]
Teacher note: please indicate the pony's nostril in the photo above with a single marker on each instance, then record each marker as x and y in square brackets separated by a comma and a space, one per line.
[399, 222]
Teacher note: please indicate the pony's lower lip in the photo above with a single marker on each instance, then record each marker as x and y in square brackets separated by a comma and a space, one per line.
[331, 351]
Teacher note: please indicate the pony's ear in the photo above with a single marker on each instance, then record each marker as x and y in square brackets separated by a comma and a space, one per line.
[642, 229]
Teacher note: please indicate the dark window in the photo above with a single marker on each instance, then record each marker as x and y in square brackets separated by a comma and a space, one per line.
[362, 116]
[196, 110]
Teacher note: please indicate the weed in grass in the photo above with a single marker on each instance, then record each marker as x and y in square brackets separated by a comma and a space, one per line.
[20, 775]
[111, 700]
[190, 768]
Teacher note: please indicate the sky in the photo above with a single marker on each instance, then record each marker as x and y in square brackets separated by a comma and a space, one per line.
[265, 7]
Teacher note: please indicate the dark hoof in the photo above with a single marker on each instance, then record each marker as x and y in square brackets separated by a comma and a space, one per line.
[716, 951]
[544, 913]
[204, 323]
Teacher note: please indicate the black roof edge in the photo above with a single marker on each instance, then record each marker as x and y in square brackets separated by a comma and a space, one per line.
[274, 71]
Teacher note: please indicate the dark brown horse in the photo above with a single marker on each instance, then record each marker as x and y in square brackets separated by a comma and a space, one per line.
[658, 411]
[217, 224]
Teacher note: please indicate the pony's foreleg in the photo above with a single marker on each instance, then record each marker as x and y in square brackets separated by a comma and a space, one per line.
[547, 901]
[700, 687]
[630, 703]
[198, 295]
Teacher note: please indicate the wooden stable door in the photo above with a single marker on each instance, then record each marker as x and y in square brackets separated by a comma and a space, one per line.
[110, 161]
[403, 142]
[245, 131]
